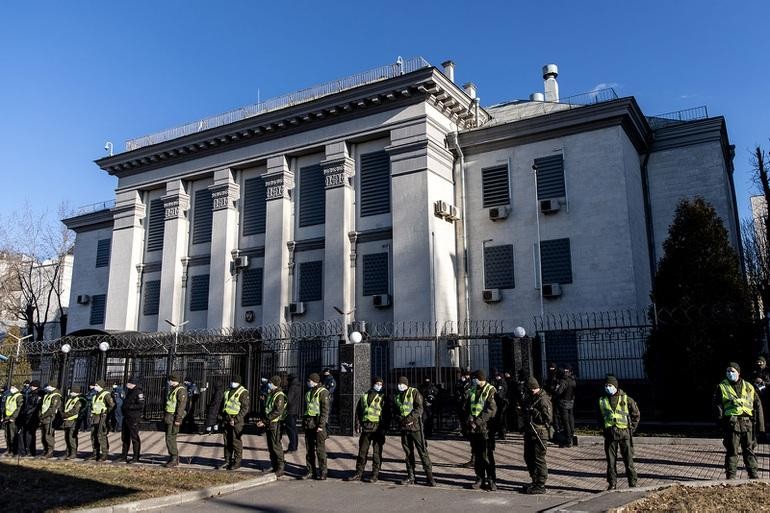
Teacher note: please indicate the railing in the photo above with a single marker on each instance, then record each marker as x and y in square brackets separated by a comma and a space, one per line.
[591, 97]
[677, 117]
[95, 207]
[305, 95]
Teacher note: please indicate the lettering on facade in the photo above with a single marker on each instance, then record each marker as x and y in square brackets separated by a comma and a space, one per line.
[220, 199]
[172, 209]
[336, 176]
[274, 188]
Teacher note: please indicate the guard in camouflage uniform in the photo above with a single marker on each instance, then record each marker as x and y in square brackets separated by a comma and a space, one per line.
[372, 420]
[618, 417]
[274, 414]
[409, 409]
[48, 409]
[75, 405]
[176, 402]
[480, 412]
[102, 404]
[739, 411]
[11, 410]
[537, 414]
[315, 424]
[235, 406]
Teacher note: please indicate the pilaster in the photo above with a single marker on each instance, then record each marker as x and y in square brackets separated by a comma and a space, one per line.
[224, 241]
[176, 203]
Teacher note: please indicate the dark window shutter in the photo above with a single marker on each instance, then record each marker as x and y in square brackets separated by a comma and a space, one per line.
[157, 225]
[254, 206]
[311, 281]
[550, 177]
[199, 293]
[151, 300]
[312, 196]
[98, 306]
[202, 217]
[494, 184]
[556, 262]
[498, 267]
[375, 274]
[251, 295]
[375, 183]
[103, 252]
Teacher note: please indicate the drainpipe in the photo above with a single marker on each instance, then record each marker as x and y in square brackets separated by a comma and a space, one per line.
[648, 217]
[461, 228]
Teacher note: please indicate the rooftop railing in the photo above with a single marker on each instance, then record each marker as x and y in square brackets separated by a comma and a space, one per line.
[677, 117]
[400, 67]
[94, 207]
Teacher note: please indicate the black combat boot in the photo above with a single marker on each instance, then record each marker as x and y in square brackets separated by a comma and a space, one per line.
[354, 477]
[429, 478]
[408, 481]
[477, 484]
[375, 476]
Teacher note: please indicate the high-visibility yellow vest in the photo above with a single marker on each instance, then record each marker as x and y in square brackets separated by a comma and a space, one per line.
[312, 403]
[372, 412]
[619, 416]
[98, 405]
[406, 403]
[478, 398]
[232, 404]
[71, 402]
[171, 400]
[732, 405]
[10, 404]
[47, 401]
[269, 406]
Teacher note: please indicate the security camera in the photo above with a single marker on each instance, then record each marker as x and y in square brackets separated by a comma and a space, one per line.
[108, 147]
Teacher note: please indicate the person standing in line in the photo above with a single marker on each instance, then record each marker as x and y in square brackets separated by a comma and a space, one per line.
[11, 410]
[409, 404]
[102, 404]
[235, 407]
[29, 420]
[73, 409]
[566, 395]
[132, 410]
[430, 397]
[293, 411]
[537, 415]
[331, 385]
[500, 424]
[315, 424]
[479, 413]
[214, 411]
[176, 404]
[372, 419]
[118, 395]
[619, 418]
[272, 418]
[49, 407]
[552, 389]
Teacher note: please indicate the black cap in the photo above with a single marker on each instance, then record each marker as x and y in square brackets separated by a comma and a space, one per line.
[532, 383]
[735, 366]
[377, 379]
[34, 383]
[314, 377]
[236, 378]
[403, 380]
[612, 380]
[276, 380]
[175, 377]
[480, 375]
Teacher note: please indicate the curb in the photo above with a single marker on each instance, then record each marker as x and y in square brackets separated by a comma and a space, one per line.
[181, 497]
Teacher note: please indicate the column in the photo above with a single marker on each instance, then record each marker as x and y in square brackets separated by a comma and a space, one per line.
[338, 283]
[355, 380]
[224, 240]
[279, 180]
[176, 203]
[122, 308]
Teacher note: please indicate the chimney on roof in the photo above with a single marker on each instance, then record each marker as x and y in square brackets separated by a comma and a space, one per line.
[449, 70]
[550, 72]
[470, 89]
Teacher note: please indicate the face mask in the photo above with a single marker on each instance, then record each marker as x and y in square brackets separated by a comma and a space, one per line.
[377, 387]
[97, 388]
[263, 380]
[73, 394]
[475, 382]
[270, 386]
[310, 384]
[49, 389]
[610, 389]
[732, 376]
[14, 390]
[402, 387]
[234, 385]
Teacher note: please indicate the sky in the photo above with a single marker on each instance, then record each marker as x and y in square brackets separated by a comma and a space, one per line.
[76, 74]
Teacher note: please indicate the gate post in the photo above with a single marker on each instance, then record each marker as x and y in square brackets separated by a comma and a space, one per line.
[355, 380]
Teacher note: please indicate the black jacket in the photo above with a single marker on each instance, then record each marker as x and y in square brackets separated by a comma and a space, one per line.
[30, 412]
[215, 406]
[133, 404]
[294, 397]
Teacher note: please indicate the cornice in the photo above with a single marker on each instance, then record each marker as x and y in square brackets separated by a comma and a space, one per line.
[91, 221]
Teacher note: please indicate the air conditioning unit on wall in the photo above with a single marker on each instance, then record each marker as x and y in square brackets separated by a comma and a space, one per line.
[241, 262]
[550, 206]
[84, 299]
[499, 213]
[551, 290]
[491, 295]
[297, 308]
[441, 209]
[381, 300]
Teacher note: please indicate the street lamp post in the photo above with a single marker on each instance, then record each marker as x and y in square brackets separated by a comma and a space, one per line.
[172, 353]
[14, 359]
[65, 349]
[103, 348]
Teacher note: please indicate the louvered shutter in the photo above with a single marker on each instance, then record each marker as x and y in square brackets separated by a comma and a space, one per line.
[103, 247]
[251, 295]
[375, 183]
[157, 225]
[199, 293]
[495, 189]
[312, 196]
[375, 274]
[151, 299]
[98, 306]
[254, 206]
[311, 281]
[202, 217]
[556, 261]
[550, 177]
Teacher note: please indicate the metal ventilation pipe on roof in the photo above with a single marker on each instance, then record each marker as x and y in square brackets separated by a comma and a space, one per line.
[470, 89]
[536, 97]
[449, 70]
[550, 72]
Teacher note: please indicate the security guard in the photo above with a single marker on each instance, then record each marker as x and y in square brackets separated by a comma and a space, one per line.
[273, 416]
[11, 410]
[372, 419]
[132, 410]
[537, 414]
[176, 403]
[409, 408]
[315, 422]
[102, 404]
[619, 417]
[480, 410]
[235, 406]
[49, 407]
[75, 405]
[739, 411]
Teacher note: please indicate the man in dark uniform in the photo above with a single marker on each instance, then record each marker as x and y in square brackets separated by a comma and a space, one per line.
[132, 410]
[740, 414]
[618, 417]
[430, 396]
[500, 423]
[760, 378]
[565, 396]
[552, 389]
[235, 407]
[29, 419]
[315, 425]
[372, 419]
[11, 410]
[49, 407]
[272, 418]
[293, 411]
[462, 386]
[330, 384]
[537, 415]
[480, 411]
[73, 409]
[176, 404]
[102, 404]
[409, 406]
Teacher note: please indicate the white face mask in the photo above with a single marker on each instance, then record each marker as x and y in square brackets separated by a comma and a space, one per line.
[49, 389]
[732, 376]
[475, 382]
[97, 388]
[234, 384]
[270, 386]
[14, 390]
[610, 389]
[377, 387]
[402, 387]
[73, 394]
[310, 384]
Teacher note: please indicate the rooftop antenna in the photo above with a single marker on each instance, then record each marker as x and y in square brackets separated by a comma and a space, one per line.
[400, 64]
[108, 147]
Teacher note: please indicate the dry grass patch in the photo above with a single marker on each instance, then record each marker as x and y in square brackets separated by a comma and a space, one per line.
[732, 498]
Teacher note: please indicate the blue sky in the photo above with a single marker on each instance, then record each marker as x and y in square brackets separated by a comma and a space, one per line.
[76, 74]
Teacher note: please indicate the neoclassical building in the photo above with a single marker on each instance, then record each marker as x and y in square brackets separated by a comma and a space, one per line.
[393, 195]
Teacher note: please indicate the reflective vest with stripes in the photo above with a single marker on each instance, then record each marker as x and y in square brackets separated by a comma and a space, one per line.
[313, 405]
[71, 402]
[171, 400]
[405, 402]
[477, 402]
[232, 404]
[269, 406]
[373, 411]
[732, 405]
[98, 406]
[10, 405]
[618, 417]
[47, 401]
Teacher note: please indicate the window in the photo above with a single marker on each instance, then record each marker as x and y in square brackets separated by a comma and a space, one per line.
[199, 293]
[375, 274]
[103, 252]
[98, 305]
[556, 262]
[157, 225]
[494, 184]
[202, 217]
[254, 206]
[550, 177]
[251, 295]
[375, 183]
[312, 196]
[311, 281]
[498, 267]
[151, 300]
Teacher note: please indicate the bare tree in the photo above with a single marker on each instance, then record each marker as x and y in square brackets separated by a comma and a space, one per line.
[756, 237]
